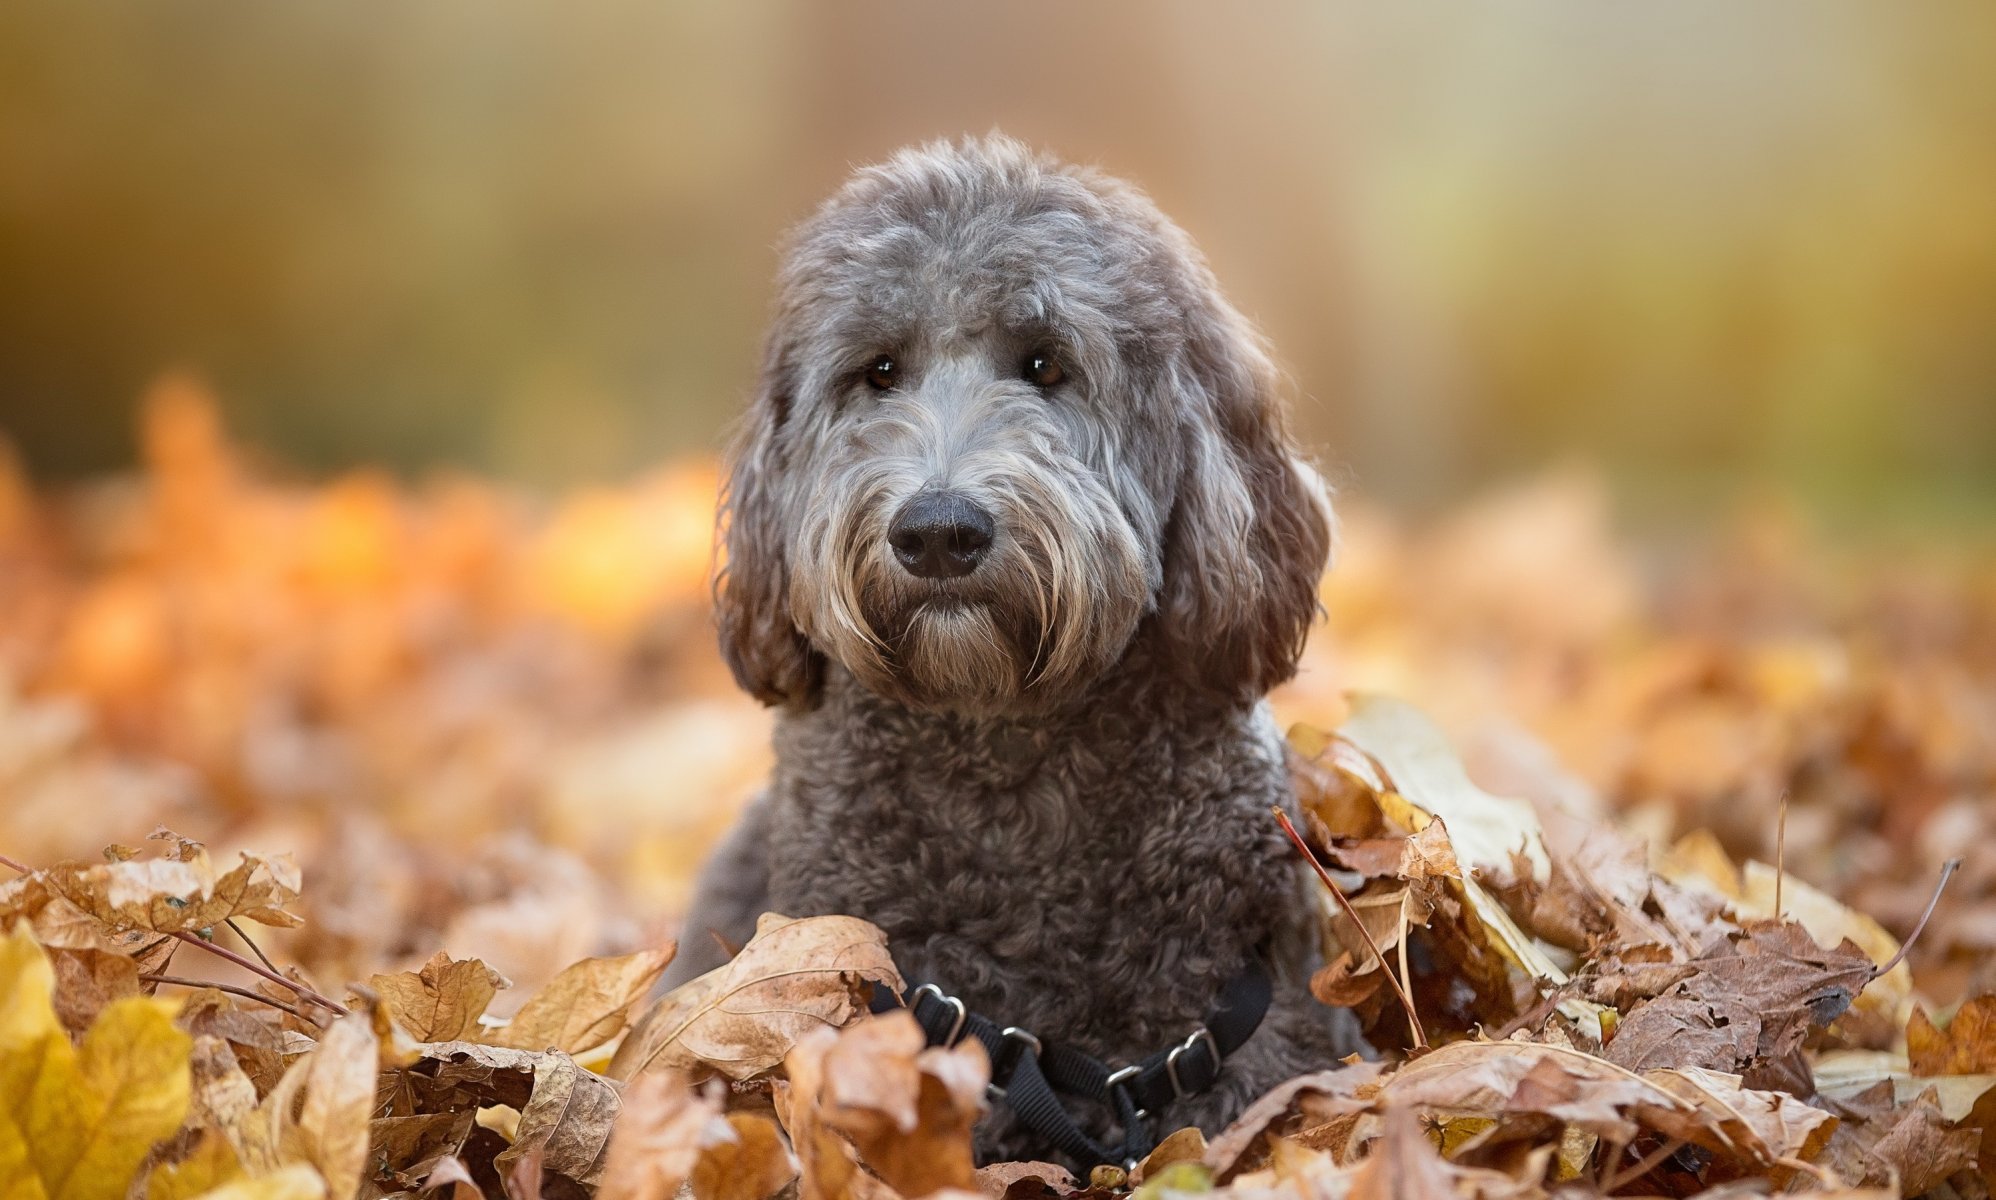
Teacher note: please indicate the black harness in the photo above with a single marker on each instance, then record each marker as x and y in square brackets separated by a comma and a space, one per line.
[1026, 1072]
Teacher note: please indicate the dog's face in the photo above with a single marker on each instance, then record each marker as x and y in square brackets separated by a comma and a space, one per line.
[1005, 417]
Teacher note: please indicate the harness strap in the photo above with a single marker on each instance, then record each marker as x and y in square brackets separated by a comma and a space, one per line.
[1026, 1074]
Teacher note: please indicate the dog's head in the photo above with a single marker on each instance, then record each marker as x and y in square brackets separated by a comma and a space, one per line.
[1005, 417]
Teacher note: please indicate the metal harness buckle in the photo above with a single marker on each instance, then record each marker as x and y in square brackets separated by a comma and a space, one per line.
[1121, 1076]
[962, 1012]
[1201, 1034]
[1029, 1044]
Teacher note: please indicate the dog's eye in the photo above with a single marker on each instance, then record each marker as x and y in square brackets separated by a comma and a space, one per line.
[881, 373]
[1042, 369]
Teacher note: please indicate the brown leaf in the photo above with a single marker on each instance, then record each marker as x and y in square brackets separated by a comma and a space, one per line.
[658, 1138]
[327, 1129]
[741, 1019]
[753, 1164]
[1025, 1181]
[1184, 1145]
[1967, 1047]
[566, 1123]
[1924, 1148]
[1402, 1164]
[566, 1113]
[443, 1001]
[168, 895]
[410, 1148]
[906, 1108]
[586, 1005]
[88, 980]
[1762, 1127]
[1341, 1087]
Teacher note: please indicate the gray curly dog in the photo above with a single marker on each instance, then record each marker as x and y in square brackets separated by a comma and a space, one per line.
[1017, 540]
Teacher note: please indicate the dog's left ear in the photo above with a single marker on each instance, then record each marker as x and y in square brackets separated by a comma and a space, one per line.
[769, 655]
[1250, 530]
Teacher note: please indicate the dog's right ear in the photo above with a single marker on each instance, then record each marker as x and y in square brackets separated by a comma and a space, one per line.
[769, 655]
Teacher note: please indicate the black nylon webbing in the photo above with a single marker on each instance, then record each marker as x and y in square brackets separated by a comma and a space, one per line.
[1029, 1081]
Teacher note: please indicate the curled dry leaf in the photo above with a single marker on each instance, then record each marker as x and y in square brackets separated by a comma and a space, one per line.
[906, 1108]
[164, 895]
[565, 1126]
[659, 1137]
[873, 1112]
[326, 1129]
[1345, 1088]
[585, 1005]
[443, 1001]
[752, 1163]
[741, 1019]
[1421, 767]
[565, 1113]
[1025, 1180]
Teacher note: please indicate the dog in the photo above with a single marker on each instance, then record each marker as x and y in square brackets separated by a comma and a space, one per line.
[1016, 541]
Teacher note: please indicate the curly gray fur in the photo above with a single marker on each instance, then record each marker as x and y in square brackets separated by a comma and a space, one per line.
[1049, 780]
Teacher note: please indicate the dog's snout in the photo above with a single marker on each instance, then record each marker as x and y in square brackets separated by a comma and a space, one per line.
[940, 535]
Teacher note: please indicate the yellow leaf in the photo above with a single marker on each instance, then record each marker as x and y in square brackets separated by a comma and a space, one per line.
[586, 1005]
[79, 1122]
[211, 1165]
[290, 1183]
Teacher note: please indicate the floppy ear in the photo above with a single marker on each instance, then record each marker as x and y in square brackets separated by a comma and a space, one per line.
[1250, 529]
[770, 657]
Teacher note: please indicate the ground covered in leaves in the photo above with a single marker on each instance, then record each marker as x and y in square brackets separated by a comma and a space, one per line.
[345, 826]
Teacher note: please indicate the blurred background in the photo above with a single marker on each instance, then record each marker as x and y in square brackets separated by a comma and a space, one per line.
[1710, 247]
[362, 366]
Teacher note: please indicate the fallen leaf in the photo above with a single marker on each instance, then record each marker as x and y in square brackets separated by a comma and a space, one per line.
[658, 1137]
[566, 1123]
[585, 1005]
[742, 1018]
[1339, 1088]
[77, 1122]
[1967, 1047]
[1421, 766]
[751, 1164]
[443, 1001]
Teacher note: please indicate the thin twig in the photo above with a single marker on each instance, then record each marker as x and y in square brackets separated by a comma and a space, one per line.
[261, 956]
[1413, 1018]
[231, 989]
[1531, 1016]
[1648, 1163]
[254, 968]
[8, 862]
[1948, 869]
[1780, 853]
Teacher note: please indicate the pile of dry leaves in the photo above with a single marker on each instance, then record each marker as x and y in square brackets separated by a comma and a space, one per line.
[496, 740]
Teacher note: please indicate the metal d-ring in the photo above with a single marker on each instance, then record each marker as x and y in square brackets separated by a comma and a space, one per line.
[1201, 1034]
[1029, 1044]
[1120, 1077]
[962, 1012]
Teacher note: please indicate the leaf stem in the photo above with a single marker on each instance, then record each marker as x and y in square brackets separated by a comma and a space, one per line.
[255, 968]
[1648, 1163]
[1413, 1018]
[261, 956]
[1948, 869]
[10, 863]
[231, 989]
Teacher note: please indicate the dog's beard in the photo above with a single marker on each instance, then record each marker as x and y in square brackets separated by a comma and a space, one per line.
[1052, 606]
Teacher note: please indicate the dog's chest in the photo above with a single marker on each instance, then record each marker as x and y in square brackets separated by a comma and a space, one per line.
[1038, 870]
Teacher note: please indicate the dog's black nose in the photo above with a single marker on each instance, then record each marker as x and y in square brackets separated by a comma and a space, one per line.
[940, 535]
